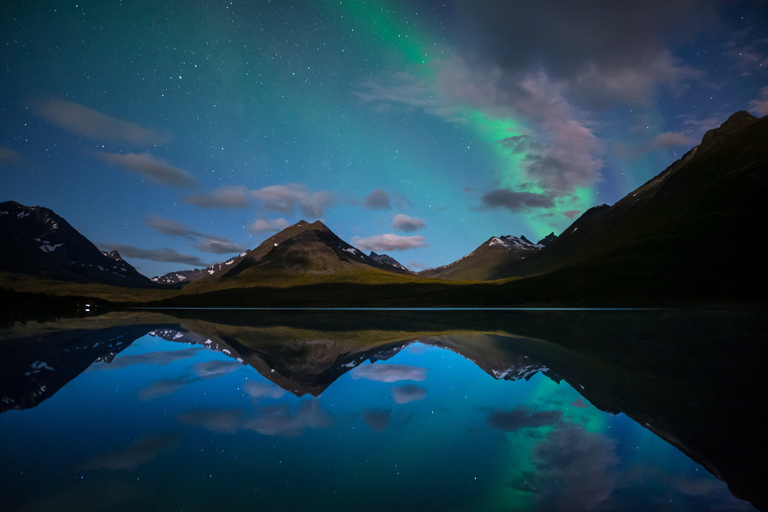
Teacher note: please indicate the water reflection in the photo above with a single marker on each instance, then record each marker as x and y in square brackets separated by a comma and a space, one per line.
[400, 407]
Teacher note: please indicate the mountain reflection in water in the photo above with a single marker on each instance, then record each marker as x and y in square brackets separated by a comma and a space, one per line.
[368, 410]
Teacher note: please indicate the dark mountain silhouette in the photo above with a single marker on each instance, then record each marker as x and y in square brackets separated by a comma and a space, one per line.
[35, 241]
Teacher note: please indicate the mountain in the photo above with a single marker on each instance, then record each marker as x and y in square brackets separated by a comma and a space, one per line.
[684, 233]
[492, 260]
[385, 259]
[547, 239]
[35, 241]
[34, 368]
[188, 276]
[302, 249]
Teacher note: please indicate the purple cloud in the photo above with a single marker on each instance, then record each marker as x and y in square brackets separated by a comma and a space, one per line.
[514, 201]
[523, 417]
[377, 200]
[286, 198]
[381, 372]
[405, 223]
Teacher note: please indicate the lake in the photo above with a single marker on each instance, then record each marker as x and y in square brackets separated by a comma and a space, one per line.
[194, 410]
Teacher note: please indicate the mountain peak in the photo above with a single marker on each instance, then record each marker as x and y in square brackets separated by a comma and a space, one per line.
[736, 122]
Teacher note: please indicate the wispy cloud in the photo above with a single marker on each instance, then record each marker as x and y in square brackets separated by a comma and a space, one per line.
[760, 105]
[219, 246]
[164, 254]
[95, 125]
[206, 243]
[279, 420]
[136, 454]
[159, 358]
[9, 156]
[403, 222]
[523, 417]
[213, 369]
[224, 421]
[389, 372]
[220, 199]
[151, 167]
[389, 242]
[673, 140]
[286, 198]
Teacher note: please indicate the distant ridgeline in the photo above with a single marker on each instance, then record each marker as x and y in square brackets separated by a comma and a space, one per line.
[667, 242]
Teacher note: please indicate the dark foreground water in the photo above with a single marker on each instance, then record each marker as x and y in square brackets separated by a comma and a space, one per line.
[385, 411]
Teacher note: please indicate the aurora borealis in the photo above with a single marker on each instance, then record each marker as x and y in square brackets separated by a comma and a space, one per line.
[184, 132]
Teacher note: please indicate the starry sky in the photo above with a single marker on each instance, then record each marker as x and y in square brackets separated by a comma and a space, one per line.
[183, 132]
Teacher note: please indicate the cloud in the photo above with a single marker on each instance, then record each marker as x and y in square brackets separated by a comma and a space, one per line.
[523, 417]
[279, 420]
[760, 105]
[151, 167]
[514, 201]
[163, 254]
[213, 369]
[673, 140]
[377, 200]
[573, 470]
[261, 225]
[580, 403]
[224, 421]
[136, 454]
[210, 243]
[162, 388]
[389, 372]
[258, 390]
[405, 223]
[571, 213]
[562, 150]
[90, 123]
[286, 198]
[172, 228]
[220, 199]
[8, 156]
[160, 358]
[219, 246]
[377, 419]
[389, 242]
[568, 41]
[408, 393]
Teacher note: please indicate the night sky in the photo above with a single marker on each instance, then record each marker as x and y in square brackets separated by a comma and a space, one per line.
[182, 133]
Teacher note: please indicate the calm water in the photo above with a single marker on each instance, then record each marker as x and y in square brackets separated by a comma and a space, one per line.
[380, 411]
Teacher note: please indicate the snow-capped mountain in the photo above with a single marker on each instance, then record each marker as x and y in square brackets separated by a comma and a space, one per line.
[385, 259]
[36, 241]
[303, 248]
[188, 276]
[489, 261]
